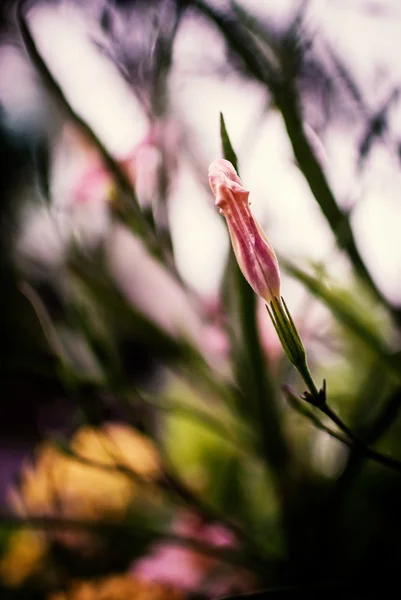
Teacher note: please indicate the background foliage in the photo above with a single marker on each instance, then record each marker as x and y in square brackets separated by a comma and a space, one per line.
[148, 444]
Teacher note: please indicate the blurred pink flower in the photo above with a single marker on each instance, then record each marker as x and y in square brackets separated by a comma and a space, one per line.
[216, 337]
[144, 163]
[141, 278]
[96, 183]
[189, 570]
[142, 167]
[82, 186]
[79, 173]
[82, 174]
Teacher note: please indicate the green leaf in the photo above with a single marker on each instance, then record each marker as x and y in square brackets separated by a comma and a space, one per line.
[228, 150]
[345, 312]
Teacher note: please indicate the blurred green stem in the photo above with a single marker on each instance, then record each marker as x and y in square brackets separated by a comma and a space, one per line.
[258, 398]
[56, 90]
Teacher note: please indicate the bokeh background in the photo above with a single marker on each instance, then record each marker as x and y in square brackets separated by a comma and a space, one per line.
[146, 444]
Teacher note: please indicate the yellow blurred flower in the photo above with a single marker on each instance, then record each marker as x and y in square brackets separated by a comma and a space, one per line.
[119, 588]
[62, 485]
[23, 558]
[59, 485]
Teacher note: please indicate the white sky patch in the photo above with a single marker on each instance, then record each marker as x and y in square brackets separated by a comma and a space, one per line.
[366, 41]
[199, 234]
[376, 222]
[280, 197]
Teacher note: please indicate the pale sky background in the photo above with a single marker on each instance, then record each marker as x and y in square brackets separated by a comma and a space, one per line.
[368, 41]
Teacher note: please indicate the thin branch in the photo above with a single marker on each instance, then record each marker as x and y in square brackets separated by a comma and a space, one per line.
[44, 319]
[350, 439]
[299, 405]
[116, 467]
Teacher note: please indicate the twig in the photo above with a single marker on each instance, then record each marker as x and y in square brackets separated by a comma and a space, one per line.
[297, 404]
[350, 439]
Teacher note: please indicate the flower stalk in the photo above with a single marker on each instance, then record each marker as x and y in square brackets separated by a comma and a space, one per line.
[294, 348]
[258, 263]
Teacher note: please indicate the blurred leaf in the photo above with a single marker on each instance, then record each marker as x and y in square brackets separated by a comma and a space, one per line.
[124, 319]
[344, 310]
[161, 52]
[370, 430]
[367, 402]
[121, 315]
[91, 319]
[215, 418]
[376, 127]
[42, 160]
[389, 411]
[246, 47]
[289, 105]
[343, 73]
[228, 150]
[376, 124]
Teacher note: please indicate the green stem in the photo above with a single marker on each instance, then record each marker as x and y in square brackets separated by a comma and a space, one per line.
[350, 439]
[260, 386]
[292, 344]
[342, 426]
[310, 384]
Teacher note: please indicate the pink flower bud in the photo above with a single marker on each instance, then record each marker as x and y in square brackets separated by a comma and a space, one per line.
[253, 251]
